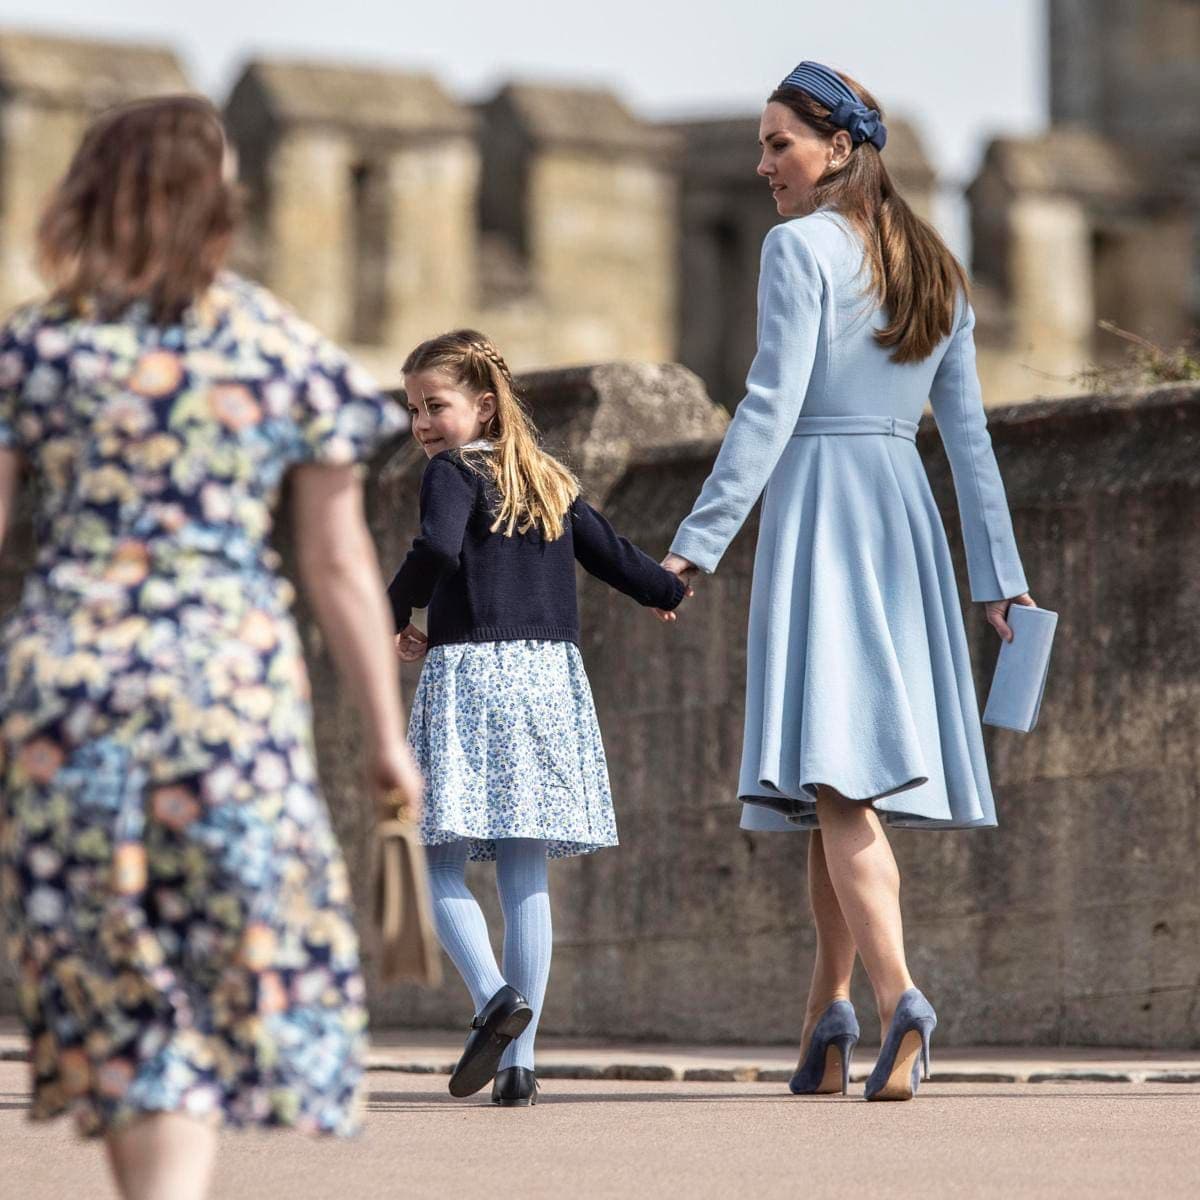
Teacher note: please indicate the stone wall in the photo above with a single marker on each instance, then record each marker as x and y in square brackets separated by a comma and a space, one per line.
[1069, 231]
[387, 210]
[1128, 68]
[361, 186]
[573, 230]
[1077, 921]
[1098, 217]
[586, 202]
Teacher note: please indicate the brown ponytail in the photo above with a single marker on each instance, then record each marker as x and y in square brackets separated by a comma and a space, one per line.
[914, 277]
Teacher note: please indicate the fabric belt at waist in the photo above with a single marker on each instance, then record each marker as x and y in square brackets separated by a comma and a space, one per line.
[887, 426]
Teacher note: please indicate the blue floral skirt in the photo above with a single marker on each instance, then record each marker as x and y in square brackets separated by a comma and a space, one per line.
[506, 735]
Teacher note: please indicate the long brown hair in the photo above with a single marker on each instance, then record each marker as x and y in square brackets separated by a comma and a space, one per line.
[144, 211]
[534, 488]
[914, 277]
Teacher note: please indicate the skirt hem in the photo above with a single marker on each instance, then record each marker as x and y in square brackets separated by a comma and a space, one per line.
[217, 1119]
[483, 845]
[799, 811]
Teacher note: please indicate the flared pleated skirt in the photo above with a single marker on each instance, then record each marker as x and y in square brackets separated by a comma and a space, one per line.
[858, 676]
[506, 736]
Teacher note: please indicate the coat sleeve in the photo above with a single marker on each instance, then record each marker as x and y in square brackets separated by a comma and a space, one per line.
[447, 499]
[615, 560]
[993, 564]
[790, 295]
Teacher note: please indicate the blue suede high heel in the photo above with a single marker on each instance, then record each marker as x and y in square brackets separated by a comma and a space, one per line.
[837, 1030]
[905, 1050]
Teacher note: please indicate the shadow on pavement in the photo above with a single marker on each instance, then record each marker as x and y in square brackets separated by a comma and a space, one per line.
[422, 1102]
[383, 1101]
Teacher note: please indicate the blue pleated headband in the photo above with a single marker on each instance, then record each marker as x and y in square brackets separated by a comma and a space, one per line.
[846, 110]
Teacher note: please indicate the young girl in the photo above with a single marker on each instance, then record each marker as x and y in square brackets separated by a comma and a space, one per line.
[503, 723]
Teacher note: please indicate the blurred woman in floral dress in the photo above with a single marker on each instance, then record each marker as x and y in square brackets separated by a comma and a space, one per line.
[177, 906]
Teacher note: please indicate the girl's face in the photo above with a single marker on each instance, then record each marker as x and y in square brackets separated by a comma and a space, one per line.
[444, 415]
[795, 157]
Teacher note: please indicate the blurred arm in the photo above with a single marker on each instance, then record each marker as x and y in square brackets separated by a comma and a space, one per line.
[340, 574]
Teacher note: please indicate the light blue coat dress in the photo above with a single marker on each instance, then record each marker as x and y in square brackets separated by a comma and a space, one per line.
[857, 669]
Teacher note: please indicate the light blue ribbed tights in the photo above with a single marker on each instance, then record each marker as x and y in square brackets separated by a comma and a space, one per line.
[528, 938]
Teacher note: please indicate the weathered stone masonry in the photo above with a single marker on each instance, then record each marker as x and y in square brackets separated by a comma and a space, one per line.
[1077, 921]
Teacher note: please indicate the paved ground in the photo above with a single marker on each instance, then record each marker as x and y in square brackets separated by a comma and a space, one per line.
[619, 1138]
[433, 1052]
[700, 1121]
[565, 1058]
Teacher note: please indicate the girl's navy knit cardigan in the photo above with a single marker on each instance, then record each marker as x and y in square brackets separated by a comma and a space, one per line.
[481, 586]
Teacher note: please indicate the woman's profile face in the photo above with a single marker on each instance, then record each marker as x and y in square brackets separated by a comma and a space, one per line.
[795, 157]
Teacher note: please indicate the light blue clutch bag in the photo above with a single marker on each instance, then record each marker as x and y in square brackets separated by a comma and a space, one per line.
[1020, 679]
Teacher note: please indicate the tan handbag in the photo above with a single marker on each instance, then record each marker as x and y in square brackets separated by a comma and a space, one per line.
[403, 910]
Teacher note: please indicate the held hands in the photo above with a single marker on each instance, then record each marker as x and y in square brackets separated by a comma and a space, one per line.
[410, 644]
[997, 610]
[686, 571]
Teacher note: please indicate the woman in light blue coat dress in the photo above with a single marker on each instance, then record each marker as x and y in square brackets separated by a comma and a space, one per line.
[860, 706]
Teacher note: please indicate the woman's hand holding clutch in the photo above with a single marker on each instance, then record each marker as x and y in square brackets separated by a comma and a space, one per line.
[996, 612]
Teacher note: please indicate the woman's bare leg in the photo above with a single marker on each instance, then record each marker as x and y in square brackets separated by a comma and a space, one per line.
[165, 1156]
[866, 880]
[834, 963]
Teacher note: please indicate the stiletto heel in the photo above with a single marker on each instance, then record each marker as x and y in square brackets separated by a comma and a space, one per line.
[836, 1031]
[845, 1048]
[905, 1050]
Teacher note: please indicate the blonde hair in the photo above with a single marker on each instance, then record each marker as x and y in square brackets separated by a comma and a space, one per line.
[534, 488]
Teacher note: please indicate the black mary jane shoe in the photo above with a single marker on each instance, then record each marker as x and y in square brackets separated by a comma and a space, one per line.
[502, 1018]
[515, 1087]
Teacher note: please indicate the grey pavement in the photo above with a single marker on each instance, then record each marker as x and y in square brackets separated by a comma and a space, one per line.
[623, 1138]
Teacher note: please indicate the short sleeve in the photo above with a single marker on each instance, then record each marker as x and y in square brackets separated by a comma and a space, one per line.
[19, 368]
[341, 413]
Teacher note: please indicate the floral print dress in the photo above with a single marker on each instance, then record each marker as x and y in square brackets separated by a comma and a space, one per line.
[176, 905]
